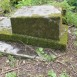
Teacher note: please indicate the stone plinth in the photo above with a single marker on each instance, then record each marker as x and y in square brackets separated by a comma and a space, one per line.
[38, 21]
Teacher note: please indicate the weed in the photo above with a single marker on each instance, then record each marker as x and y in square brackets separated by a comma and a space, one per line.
[40, 2]
[71, 18]
[64, 5]
[12, 60]
[45, 56]
[5, 5]
[51, 73]
[14, 2]
[11, 74]
[72, 2]
[64, 74]
[24, 3]
[32, 2]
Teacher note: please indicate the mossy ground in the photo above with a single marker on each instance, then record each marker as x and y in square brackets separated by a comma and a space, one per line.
[47, 43]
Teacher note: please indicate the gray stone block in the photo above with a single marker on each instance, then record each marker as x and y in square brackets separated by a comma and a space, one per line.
[38, 21]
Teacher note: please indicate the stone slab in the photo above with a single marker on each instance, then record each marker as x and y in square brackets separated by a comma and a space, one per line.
[37, 21]
[8, 48]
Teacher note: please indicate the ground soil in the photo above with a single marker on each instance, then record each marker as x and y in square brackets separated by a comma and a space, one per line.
[65, 61]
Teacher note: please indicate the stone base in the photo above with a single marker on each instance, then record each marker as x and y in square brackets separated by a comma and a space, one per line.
[39, 41]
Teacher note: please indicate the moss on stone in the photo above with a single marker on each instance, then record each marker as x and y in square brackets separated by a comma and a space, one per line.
[54, 15]
[47, 28]
[6, 31]
[63, 38]
[38, 41]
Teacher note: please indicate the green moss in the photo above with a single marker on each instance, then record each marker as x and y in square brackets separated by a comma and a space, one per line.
[55, 15]
[47, 28]
[38, 41]
[6, 31]
[63, 38]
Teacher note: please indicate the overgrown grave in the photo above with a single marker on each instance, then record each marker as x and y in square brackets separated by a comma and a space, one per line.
[35, 25]
[40, 26]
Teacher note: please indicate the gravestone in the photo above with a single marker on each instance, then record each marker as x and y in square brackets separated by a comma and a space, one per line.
[43, 21]
[36, 25]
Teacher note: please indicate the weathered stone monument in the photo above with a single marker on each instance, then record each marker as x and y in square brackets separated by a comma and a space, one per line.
[38, 21]
[38, 26]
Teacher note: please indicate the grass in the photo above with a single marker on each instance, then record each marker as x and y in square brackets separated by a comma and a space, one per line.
[11, 74]
[12, 60]
[51, 73]
[45, 56]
